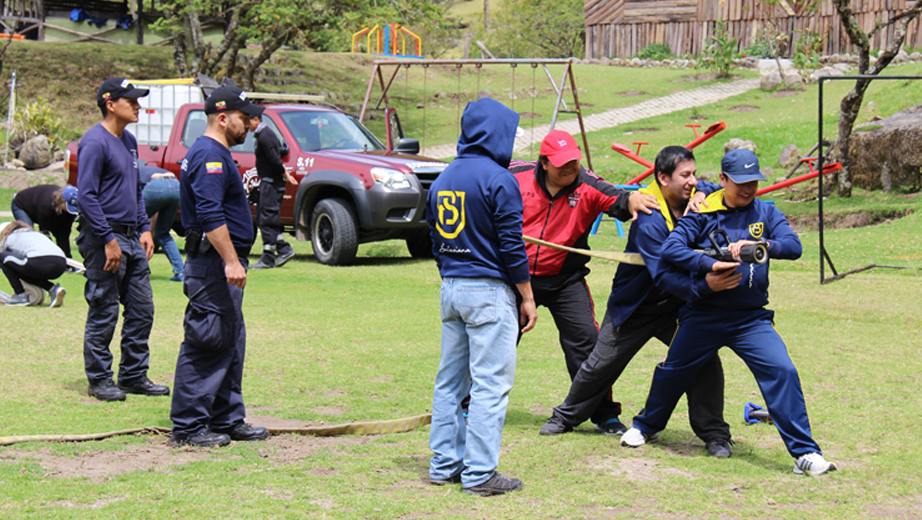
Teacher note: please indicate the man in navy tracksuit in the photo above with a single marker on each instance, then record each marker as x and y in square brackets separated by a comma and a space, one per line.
[638, 311]
[208, 407]
[474, 211]
[737, 317]
[561, 202]
[116, 244]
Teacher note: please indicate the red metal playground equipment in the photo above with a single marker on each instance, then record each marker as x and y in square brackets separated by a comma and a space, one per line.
[389, 40]
[709, 133]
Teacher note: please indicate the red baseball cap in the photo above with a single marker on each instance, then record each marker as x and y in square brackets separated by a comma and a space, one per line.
[560, 148]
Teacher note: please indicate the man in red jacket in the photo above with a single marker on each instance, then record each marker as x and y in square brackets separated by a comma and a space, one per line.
[561, 201]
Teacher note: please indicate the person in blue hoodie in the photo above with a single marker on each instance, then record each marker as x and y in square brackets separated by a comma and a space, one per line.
[639, 310]
[474, 211]
[737, 317]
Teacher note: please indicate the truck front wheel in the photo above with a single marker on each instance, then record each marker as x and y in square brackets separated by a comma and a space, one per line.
[333, 232]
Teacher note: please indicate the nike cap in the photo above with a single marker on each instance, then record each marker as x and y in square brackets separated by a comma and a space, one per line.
[560, 148]
[742, 166]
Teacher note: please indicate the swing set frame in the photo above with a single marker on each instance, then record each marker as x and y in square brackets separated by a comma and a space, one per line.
[560, 106]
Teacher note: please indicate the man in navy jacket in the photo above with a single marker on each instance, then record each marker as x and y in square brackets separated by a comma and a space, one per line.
[474, 212]
[736, 317]
[116, 244]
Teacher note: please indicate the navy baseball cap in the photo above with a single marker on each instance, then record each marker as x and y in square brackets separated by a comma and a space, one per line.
[114, 88]
[742, 166]
[226, 98]
[70, 198]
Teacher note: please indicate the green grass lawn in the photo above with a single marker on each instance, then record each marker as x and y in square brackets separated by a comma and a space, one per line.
[331, 345]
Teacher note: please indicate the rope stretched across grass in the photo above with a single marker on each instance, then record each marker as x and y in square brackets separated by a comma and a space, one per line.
[357, 428]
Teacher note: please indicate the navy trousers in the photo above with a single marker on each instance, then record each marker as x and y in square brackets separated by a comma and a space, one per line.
[104, 291]
[268, 211]
[615, 349]
[207, 390]
[751, 335]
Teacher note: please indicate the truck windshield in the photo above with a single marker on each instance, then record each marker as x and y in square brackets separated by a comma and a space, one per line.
[329, 131]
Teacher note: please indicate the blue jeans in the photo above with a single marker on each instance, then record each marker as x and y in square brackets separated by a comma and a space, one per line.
[161, 196]
[20, 214]
[479, 331]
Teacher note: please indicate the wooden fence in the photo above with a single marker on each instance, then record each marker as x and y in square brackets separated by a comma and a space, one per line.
[623, 27]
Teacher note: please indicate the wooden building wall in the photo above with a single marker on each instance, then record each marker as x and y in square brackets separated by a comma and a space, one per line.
[621, 28]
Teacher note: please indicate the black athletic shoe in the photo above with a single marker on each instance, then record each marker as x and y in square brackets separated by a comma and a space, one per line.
[611, 427]
[454, 479]
[284, 257]
[144, 386]
[106, 390]
[555, 427]
[245, 432]
[203, 439]
[720, 449]
[261, 265]
[497, 485]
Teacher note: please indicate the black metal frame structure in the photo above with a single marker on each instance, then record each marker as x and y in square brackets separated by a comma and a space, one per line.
[824, 255]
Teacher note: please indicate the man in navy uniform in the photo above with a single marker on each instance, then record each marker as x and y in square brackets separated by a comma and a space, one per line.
[116, 244]
[208, 407]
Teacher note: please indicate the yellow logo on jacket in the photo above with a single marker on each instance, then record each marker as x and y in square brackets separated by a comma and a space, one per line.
[756, 229]
[451, 213]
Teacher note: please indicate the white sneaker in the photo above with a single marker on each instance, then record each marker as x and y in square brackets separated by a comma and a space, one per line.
[635, 438]
[813, 464]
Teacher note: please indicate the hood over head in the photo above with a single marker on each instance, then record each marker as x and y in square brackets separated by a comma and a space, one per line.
[488, 128]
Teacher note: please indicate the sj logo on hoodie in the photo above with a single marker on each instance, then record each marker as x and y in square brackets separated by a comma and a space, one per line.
[451, 213]
[756, 229]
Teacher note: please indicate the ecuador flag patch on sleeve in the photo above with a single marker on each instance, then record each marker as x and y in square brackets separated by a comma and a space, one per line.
[214, 167]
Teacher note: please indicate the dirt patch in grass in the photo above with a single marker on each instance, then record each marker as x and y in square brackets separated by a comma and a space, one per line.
[847, 220]
[632, 93]
[157, 455]
[649, 129]
[911, 510]
[744, 108]
[634, 469]
[786, 92]
[529, 115]
[103, 502]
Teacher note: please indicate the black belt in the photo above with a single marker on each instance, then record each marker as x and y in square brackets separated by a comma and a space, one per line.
[242, 252]
[123, 229]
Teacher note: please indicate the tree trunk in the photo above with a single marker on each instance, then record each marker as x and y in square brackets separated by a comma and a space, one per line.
[229, 43]
[281, 36]
[179, 53]
[199, 46]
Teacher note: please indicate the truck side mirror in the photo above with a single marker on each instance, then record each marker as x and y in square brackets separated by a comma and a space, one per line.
[283, 149]
[407, 146]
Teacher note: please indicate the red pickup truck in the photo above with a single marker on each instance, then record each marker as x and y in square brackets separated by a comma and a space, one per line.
[352, 188]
